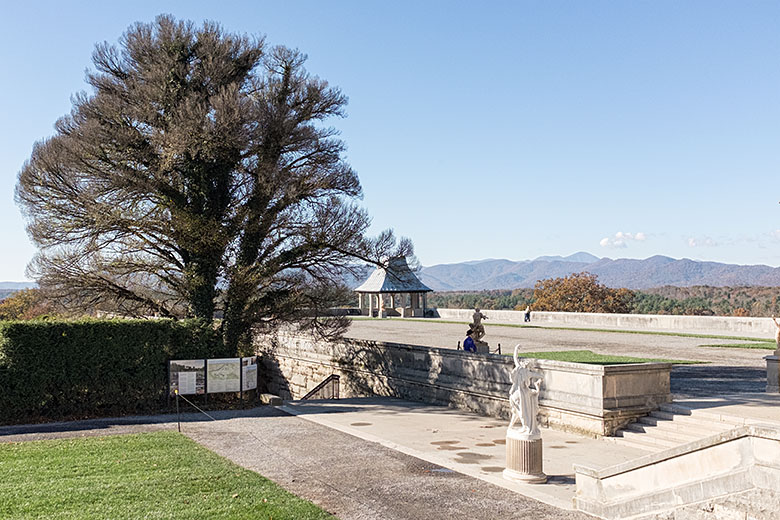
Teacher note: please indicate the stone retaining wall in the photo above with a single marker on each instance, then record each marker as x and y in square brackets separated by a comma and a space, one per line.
[591, 399]
[726, 325]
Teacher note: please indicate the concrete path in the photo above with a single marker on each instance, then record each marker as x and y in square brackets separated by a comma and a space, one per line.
[463, 442]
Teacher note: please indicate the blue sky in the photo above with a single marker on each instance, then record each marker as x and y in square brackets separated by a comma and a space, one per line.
[489, 129]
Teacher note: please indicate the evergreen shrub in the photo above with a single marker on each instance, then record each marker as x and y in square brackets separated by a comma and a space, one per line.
[52, 370]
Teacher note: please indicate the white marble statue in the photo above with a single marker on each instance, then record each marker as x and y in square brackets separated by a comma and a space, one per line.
[524, 396]
[476, 325]
[777, 336]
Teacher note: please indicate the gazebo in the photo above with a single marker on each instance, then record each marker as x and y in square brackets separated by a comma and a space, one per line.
[394, 291]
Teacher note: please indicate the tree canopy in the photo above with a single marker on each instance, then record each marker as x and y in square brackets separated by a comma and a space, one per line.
[26, 304]
[580, 292]
[197, 179]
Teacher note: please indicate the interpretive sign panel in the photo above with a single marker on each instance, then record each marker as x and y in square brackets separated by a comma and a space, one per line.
[188, 376]
[249, 373]
[224, 375]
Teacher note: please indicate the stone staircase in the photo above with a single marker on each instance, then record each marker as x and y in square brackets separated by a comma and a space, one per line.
[674, 425]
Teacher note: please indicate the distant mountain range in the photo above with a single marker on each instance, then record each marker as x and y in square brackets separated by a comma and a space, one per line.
[17, 285]
[655, 271]
[8, 288]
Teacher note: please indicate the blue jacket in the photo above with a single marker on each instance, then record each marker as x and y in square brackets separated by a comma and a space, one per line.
[468, 345]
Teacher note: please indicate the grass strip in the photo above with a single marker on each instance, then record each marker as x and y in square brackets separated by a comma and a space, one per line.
[583, 329]
[153, 476]
[766, 345]
[592, 358]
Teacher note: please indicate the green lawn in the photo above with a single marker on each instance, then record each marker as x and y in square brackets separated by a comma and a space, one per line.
[767, 345]
[591, 358]
[144, 476]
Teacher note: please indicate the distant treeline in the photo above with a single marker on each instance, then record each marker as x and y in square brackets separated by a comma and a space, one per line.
[691, 301]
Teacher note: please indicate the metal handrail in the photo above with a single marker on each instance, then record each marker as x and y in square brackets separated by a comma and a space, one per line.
[334, 379]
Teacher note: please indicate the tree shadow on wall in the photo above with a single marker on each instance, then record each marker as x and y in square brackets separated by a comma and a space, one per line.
[270, 378]
[421, 374]
[372, 370]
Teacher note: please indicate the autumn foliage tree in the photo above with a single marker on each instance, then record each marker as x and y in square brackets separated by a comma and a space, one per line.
[197, 179]
[26, 304]
[580, 292]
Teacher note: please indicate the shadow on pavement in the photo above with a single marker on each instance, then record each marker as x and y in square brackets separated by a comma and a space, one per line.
[716, 381]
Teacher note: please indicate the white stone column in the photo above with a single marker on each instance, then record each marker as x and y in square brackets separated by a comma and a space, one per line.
[524, 457]
[370, 305]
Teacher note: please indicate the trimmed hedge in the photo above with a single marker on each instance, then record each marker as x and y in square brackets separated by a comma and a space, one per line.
[53, 370]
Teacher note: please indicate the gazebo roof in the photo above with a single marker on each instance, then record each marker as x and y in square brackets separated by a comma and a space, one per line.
[397, 278]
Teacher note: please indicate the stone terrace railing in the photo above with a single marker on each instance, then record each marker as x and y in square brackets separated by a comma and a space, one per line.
[591, 399]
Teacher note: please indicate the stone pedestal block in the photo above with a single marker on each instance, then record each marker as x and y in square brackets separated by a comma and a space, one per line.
[482, 347]
[772, 374]
[524, 458]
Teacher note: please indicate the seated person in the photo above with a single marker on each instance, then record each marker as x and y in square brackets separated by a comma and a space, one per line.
[468, 343]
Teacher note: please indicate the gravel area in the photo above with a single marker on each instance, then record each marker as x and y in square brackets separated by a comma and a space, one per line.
[536, 338]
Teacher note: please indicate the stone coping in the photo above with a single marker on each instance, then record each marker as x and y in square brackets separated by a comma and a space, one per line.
[765, 431]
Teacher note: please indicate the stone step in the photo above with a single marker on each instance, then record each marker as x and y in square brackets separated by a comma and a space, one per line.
[685, 413]
[636, 443]
[693, 428]
[693, 421]
[674, 425]
[679, 436]
[650, 439]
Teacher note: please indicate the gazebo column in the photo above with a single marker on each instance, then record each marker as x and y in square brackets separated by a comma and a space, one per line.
[425, 303]
[370, 305]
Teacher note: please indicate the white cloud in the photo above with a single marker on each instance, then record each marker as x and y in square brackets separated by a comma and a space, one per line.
[701, 242]
[621, 239]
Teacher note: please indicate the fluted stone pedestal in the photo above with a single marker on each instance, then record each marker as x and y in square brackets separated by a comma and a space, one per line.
[772, 374]
[524, 458]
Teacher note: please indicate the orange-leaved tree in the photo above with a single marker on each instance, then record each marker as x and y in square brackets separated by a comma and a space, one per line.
[26, 304]
[580, 292]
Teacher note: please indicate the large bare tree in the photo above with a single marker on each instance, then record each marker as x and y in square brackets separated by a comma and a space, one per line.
[197, 178]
